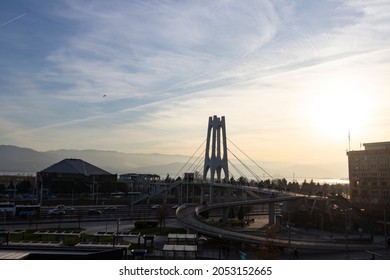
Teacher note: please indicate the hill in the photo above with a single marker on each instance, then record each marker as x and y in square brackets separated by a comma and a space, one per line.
[15, 159]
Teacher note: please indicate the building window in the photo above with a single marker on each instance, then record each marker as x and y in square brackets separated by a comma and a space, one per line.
[373, 158]
[363, 166]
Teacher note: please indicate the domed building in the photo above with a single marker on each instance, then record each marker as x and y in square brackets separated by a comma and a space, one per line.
[75, 176]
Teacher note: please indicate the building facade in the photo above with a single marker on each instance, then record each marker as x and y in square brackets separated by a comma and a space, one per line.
[369, 177]
[75, 176]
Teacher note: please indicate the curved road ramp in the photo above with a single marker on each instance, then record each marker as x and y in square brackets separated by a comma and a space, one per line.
[191, 218]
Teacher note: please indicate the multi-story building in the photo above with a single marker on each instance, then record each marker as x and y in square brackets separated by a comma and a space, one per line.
[141, 183]
[369, 177]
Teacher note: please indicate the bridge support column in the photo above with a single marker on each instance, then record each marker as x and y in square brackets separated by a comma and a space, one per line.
[271, 213]
[225, 215]
[229, 194]
[202, 195]
[244, 195]
[216, 159]
[218, 195]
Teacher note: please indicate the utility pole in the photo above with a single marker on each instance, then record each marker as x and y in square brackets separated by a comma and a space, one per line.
[385, 226]
[346, 211]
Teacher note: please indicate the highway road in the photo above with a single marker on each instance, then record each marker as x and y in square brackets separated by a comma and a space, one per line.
[189, 217]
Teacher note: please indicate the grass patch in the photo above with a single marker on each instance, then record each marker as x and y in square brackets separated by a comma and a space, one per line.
[29, 235]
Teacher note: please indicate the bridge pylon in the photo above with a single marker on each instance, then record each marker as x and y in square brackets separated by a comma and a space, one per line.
[216, 156]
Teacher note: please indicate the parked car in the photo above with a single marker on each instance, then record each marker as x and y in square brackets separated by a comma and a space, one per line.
[56, 212]
[110, 209]
[94, 212]
[60, 209]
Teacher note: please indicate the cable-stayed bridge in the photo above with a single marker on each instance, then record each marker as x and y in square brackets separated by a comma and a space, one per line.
[207, 175]
[208, 184]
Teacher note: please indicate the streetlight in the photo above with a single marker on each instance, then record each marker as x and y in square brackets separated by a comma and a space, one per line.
[385, 226]
[118, 222]
[322, 221]
[346, 230]
[4, 215]
[289, 234]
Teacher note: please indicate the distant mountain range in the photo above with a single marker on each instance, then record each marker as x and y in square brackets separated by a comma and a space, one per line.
[15, 159]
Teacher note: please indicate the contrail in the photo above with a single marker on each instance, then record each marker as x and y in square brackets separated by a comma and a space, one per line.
[12, 20]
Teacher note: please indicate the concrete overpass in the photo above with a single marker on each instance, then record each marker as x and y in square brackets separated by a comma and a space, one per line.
[189, 217]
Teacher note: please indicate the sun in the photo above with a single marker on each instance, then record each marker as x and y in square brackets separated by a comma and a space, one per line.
[340, 105]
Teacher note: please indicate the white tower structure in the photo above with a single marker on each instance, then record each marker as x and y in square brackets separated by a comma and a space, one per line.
[216, 159]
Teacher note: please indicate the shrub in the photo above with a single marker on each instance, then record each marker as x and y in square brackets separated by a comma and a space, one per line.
[145, 224]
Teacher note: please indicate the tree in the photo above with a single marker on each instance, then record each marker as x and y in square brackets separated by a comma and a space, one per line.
[120, 186]
[243, 181]
[241, 213]
[268, 250]
[24, 186]
[162, 214]
[232, 213]
[205, 214]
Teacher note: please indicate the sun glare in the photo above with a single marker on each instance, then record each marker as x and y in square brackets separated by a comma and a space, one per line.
[340, 105]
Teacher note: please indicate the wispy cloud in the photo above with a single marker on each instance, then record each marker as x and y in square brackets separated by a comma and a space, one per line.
[166, 66]
[141, 50]
[12, 20]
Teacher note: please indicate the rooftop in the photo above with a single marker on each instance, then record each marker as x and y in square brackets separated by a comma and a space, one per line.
[75, 166]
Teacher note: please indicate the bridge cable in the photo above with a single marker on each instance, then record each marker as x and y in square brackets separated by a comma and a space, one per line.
[190, 158]
[197, 163]
[235, 168]
[251, 159]
[247, 167]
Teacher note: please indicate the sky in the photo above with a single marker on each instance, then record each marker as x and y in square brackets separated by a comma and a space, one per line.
[297, 81]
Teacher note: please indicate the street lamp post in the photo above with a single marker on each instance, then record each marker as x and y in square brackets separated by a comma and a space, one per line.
[289, 235]
[4, 235]
[97, 193]
[346, 231]
[346, 234]
[322, 222]
[132, 195]
[385, 227]
[118, 222]
[4, 215]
